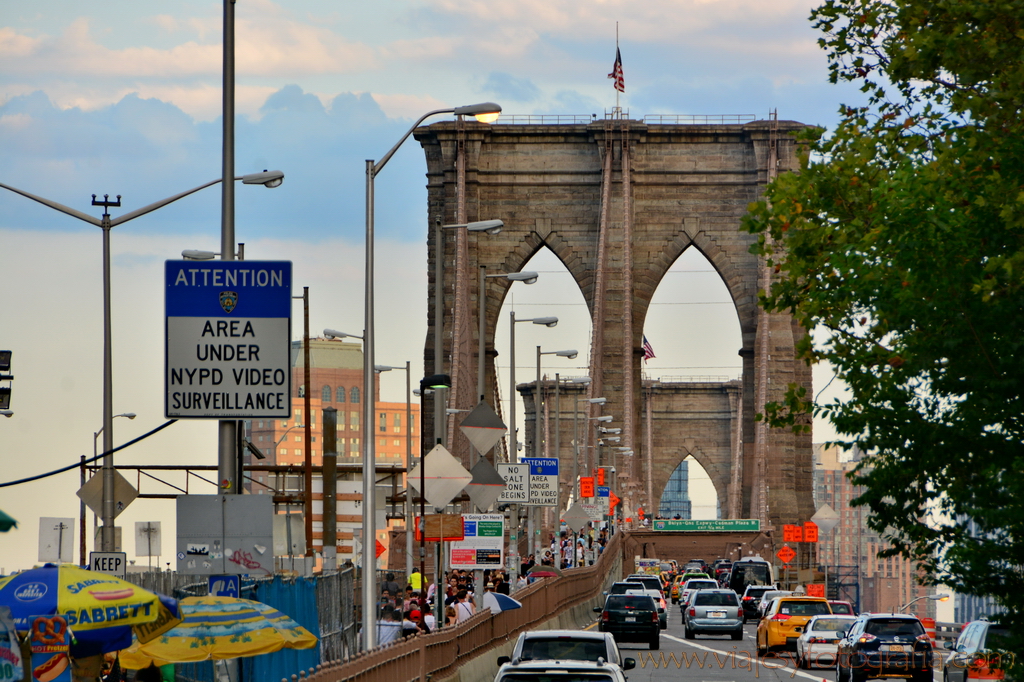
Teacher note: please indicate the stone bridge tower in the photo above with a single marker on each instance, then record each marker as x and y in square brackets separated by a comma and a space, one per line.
[618, 201]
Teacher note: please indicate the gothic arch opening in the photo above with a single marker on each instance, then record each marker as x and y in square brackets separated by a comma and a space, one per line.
[693, 329]
[555, 294]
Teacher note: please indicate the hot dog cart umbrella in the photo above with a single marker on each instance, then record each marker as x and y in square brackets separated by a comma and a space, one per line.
[216, 628]
[101, 610]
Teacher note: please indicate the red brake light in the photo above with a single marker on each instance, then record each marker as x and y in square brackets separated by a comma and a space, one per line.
[748, 599]
[693, 613]
[605, 616]
[866, 637]
[818, 640]
[654, 617]
[780, 616]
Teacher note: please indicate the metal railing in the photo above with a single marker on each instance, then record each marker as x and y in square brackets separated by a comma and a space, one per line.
[698, 119]
[547, 119]
[694, 379]
[438, 654]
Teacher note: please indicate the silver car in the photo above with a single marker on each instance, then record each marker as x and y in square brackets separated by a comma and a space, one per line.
[713, 612]
[819, 642]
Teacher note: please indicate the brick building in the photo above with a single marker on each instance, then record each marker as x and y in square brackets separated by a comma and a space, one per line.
[336, 380]
[851, 549]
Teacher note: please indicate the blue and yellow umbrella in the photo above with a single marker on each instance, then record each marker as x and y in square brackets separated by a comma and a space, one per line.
[102, 610]
[219, 628]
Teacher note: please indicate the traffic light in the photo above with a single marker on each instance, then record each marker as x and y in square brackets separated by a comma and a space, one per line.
[5, 391]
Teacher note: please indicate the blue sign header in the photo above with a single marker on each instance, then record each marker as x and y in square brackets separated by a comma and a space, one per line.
[238, 289]
[603, 491]
[542, 466]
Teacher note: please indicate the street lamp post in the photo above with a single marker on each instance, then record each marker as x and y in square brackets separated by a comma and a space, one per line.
[929, 597]
[105, 223]
[537, 452]
[81, 504]
[576, 435]
[487, 112]
[513, 450]
[526, 277]
[408, 459]
[490, 227]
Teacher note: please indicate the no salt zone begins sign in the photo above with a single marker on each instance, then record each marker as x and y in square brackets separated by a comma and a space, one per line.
[228, 339]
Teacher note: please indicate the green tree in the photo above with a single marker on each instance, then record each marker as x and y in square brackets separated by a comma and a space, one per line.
[900, 243]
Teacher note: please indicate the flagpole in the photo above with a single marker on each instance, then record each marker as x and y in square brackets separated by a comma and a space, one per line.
[617, 108]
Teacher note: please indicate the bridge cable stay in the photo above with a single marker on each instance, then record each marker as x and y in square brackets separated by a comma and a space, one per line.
[596, 385]
[461, 341]
[763, 351]
[628, 404]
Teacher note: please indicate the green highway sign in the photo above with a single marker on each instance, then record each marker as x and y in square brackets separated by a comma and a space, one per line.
[708, 525]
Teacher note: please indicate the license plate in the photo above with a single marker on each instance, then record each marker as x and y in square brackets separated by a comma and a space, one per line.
[896, 647]
[630, 619]
[716, 614]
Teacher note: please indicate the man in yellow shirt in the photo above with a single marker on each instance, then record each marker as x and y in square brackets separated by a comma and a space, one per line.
[415, 580]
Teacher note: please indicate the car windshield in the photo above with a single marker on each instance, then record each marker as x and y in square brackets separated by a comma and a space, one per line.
[842, 608]
[629, 601]
[715, 599]
[887, 628]
[701, 585]
[650, 583]
[545, 676]
[803, 608]
[830, 624]
[756, 592]
[564, 649]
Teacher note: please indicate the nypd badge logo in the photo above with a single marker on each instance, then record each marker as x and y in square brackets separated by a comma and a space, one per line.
[228, 300]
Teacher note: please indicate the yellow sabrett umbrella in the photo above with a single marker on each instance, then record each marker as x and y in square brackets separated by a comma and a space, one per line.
[218, 628]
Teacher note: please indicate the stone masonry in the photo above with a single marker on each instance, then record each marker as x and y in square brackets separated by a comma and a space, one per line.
[561, 187]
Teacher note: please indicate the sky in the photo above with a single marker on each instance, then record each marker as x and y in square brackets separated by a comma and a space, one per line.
[124, 98]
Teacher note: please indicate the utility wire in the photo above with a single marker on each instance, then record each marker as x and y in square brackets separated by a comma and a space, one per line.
[91, 459]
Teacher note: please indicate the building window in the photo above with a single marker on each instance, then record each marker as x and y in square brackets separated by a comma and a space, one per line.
[302, 390]
[340, 393]
[325, 394]
[355, 394]
[353, 420]
[284, 425]
[398, 420]
[383, 423]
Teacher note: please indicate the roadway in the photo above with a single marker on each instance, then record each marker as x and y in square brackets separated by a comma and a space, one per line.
[715, 658]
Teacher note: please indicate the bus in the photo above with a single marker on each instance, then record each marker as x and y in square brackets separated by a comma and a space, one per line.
[750, 571]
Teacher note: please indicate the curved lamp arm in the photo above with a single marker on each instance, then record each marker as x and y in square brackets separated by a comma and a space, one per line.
[54, 205]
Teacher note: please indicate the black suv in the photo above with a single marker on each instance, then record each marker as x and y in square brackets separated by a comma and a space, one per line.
[751, 599]
[631, 618]
[884, 645]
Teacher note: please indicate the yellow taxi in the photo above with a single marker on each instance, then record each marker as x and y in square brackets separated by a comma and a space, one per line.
[784, 620]
[677, 588]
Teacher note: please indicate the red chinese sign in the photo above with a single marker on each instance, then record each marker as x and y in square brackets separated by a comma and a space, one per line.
[792, 533]
[785, 554]
[600, 477]
[816, 590]
[810, 532]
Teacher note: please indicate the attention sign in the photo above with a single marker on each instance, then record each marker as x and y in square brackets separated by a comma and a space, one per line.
[228, 339]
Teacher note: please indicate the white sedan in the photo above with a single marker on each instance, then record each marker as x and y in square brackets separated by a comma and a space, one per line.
[818, 644]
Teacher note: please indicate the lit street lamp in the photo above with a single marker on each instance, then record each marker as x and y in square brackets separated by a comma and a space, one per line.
[486, 112]
[105, 223]
[929, 597]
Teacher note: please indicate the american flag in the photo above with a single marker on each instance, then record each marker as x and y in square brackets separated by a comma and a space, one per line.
[648, 349]
[616, 74]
